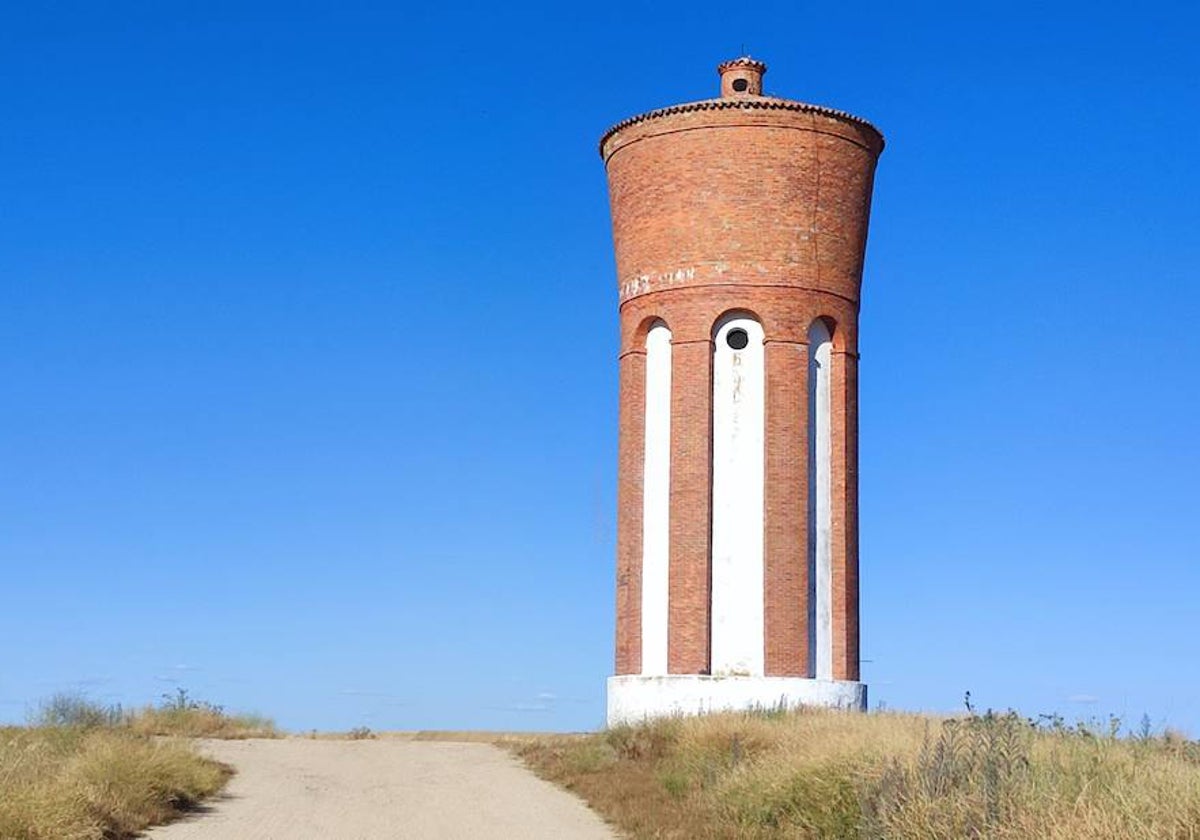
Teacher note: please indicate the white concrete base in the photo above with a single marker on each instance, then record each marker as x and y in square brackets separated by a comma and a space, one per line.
[634, 698]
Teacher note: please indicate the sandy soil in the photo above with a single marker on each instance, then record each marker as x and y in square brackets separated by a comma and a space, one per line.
[301, 789]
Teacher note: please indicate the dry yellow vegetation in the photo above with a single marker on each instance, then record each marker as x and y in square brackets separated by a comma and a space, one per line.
[85, 783]
[881, 776]
[177, 714]
[85, 771]
[200, 723]
[182, 715]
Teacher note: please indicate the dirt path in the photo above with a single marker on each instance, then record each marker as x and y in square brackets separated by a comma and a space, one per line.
[300, 789]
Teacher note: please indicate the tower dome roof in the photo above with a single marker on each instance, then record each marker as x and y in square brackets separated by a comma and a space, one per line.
[741, 88]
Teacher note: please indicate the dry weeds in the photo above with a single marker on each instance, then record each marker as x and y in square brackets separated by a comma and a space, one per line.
[78, 783]
[201, 723]
[86, 771]
[182, 715]
[883, 776]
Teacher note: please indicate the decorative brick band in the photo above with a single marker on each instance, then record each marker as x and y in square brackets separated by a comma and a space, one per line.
[769, 103]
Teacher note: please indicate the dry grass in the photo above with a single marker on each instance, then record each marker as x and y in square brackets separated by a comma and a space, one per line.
[820, 774]
[181, 715]
[200, 723]
[178, 715]
[95, 783]
[85, 771]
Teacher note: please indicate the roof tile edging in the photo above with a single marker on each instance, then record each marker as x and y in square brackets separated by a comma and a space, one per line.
[764, 102]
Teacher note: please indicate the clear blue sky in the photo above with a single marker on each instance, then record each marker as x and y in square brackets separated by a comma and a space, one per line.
[308, 331]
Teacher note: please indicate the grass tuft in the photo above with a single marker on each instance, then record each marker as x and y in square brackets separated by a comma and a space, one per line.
[87, 771]
[181, 715]
[176, 715]
[830, 775]
[96, 783]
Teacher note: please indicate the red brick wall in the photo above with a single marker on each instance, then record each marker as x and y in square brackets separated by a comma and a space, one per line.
[688, 615]
[630, 449]
[765, 210]
[844, 399]
[785, 550]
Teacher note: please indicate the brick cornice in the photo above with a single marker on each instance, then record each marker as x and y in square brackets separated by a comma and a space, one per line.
[760, 103]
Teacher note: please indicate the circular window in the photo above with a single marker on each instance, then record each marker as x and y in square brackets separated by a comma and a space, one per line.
[737, 339]
[741, 85]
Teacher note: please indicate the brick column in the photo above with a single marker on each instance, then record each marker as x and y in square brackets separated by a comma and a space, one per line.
[844, 428]
[631, 449]
[690, 614]
[785, 552]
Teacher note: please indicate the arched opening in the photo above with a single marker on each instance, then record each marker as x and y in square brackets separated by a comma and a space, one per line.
[656, 500]
[737, 496]
[820, 520]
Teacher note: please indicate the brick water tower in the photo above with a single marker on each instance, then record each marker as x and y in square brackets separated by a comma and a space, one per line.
[739, 224]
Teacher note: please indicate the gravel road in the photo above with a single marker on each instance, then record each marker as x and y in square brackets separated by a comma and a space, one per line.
[302, 789]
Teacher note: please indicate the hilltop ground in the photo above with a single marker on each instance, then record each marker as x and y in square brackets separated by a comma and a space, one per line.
[92, 773]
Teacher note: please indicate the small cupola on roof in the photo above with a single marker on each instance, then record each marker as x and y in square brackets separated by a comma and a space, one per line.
[741, 77]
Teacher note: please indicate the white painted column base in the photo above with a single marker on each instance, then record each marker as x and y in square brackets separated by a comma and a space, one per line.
[633, 698]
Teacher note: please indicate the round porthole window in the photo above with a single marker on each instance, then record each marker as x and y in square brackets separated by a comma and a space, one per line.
[741, 85]
[737, 339]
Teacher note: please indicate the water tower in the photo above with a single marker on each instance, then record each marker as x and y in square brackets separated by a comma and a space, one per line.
[739, 225]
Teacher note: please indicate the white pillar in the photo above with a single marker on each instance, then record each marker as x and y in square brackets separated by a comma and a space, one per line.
[656, 501]
[820, 524]
[737, 498]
